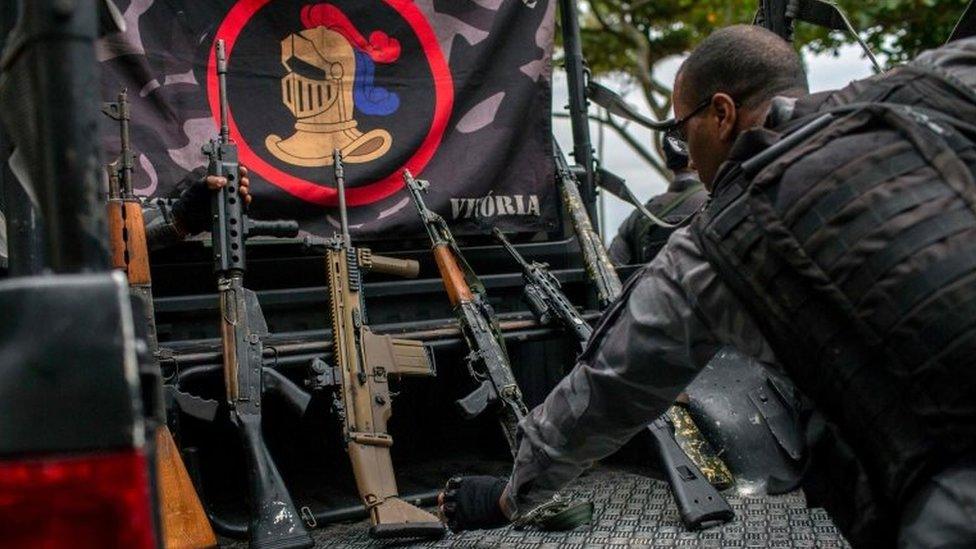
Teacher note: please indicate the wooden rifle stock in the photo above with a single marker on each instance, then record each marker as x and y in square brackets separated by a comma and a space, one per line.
[454, 283]
[127, 234]
[185, 524]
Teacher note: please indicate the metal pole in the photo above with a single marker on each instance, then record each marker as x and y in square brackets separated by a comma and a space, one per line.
[576, 80]
[602, 197]
[25, 245]
[62, 157]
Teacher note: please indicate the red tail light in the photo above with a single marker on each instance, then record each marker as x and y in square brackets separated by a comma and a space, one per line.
[96, 501]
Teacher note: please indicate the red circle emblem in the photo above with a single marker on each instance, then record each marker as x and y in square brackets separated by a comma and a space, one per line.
[312, 192]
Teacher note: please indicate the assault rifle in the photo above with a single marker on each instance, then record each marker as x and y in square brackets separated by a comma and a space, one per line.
[365, 361]
[544, 294]
[488, 360]
[184, 521]
[274, 521]
[595, 258]
[700, 505]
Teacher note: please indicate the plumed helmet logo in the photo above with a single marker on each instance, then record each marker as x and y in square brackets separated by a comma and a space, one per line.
[330, 77]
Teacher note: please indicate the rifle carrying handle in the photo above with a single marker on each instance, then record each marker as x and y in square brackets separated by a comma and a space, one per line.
[279, 229]
[404, 268]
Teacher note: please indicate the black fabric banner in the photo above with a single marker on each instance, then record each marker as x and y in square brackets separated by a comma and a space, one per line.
[456, 91]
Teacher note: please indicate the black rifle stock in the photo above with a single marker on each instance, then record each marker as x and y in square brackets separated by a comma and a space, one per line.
[274, 522]
[488, 360]
[699, 503]
[364, 363]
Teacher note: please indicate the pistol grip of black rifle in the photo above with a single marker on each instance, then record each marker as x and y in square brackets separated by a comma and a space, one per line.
[295, 396]
[700, 505]
[476, 401]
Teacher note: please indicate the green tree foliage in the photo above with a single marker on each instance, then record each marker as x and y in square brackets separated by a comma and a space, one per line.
[630, 37]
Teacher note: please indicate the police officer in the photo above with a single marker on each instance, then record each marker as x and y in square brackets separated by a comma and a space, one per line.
[639, 239]
[840, 241]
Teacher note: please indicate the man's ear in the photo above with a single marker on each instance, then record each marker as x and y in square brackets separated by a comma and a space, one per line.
[727, 115]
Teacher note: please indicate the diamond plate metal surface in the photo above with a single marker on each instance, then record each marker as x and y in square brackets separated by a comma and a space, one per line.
[636, 511]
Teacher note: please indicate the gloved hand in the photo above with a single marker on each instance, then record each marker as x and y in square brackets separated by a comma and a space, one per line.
[191, 211]
[469, 503]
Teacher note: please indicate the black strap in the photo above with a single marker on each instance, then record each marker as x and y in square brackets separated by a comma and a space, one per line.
[921, 285]
[906, 244]
[875, 217]
[874, 173]
[951, 319]
[680, 199]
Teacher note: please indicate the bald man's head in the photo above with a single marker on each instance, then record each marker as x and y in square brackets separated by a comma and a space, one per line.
[748, 62]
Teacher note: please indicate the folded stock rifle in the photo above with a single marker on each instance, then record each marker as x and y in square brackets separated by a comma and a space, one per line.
[184, 521]
[274, 522]
[364, 362]
[487, 360]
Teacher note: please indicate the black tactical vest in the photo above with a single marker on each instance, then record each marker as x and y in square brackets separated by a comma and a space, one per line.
[853, 243]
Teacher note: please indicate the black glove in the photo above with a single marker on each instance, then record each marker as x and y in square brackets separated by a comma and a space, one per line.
[472, 502]
[192, 209]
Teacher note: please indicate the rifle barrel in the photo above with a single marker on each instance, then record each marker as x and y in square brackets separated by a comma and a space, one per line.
[341, 191]
[417, 193]
[125, 167]
[222, 82]
[500, 236]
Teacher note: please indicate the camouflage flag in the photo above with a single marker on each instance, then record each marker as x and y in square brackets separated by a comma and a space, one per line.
[458, 91]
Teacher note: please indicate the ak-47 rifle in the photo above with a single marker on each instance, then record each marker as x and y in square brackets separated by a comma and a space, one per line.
[184, 521]
[274, 522]
[365, 361]
[598, 265]
[488, 360]
[699, 504]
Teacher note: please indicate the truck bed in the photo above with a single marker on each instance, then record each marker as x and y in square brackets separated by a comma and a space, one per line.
[633, 510]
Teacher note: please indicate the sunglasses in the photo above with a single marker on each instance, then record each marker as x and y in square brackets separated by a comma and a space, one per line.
[676, 133]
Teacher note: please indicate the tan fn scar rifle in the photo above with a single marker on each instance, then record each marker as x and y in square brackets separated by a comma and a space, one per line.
[365, 361]
[184, 521]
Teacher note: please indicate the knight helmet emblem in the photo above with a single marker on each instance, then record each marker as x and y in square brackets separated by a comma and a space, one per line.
[330, 77]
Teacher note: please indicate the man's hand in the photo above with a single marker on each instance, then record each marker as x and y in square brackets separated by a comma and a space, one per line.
[215, 182]
[191, 211]
[469, 503]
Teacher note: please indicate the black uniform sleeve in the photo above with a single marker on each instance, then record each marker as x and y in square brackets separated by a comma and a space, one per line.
[673, 317]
